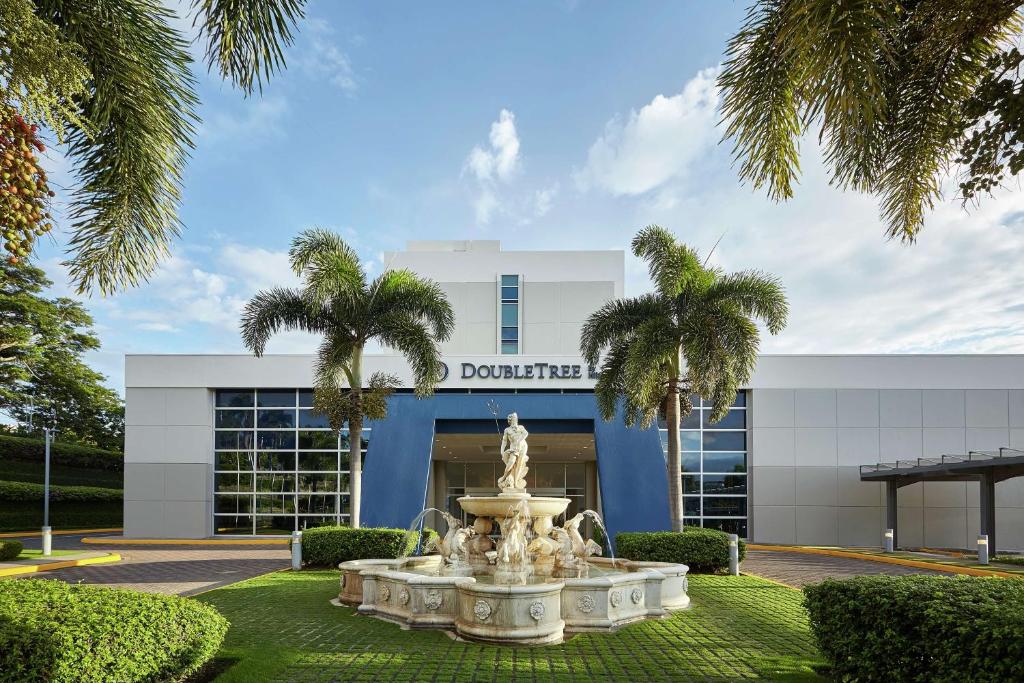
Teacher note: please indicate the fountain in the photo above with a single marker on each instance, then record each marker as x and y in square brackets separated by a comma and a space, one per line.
[536, 583]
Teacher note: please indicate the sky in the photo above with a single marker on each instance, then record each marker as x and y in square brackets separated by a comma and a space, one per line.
[566, 124]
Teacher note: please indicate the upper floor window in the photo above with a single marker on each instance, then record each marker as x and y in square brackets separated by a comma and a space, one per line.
[509, 305]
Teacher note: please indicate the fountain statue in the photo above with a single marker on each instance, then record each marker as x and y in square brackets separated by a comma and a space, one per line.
[536, 582]
[513, 454]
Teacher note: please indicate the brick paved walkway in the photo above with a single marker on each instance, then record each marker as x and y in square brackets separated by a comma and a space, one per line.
[181, 570]
[800, 569]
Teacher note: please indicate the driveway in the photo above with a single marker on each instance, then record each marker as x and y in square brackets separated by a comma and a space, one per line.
[170, 569]
[800, 569]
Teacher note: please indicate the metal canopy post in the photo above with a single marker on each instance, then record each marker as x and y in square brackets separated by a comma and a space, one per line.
[988, 509]
[891, 512]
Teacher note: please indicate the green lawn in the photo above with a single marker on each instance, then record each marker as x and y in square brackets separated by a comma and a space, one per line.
[283, 628]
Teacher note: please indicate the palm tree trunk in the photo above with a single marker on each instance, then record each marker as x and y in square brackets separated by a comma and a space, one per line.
[355, 467]
[355, 442]
[674, 456]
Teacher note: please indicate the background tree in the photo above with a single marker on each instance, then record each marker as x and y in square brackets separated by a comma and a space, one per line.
[113, 79]
[900, 92]
[42, 372]
[397, 309]
[693, 335]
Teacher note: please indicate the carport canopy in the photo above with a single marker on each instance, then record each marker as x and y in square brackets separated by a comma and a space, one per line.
[985, 467]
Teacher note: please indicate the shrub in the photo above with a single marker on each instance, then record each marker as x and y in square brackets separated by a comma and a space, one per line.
[919, 628]
[61, 475]
[9, 550]
[72, 455]
[71, 507]
[332, 545]
[53, 631]
[25, 492]
[702, 550]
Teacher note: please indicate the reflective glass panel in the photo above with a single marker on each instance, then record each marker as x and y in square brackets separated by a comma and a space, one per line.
[313, 420]
[305, 398]
[509, 280]
[234, 460]
[732, 484]
[725, 462]
[275, 503]
[734, 419]
[509, 293]
[275, 462]
[237, 481]
[232, 524]
[275, 440]
[509, 334]
[280, 483]
[275, 398]
[509, 347]
[510, 315]
[229, 398]
[319, 505]
[691, 505]
[480, 475]
[318, 462]
[318, 483]
[233, 440]
[275, 419]
[691, 484]
[689, 441]
[725, 507]
[729, 526]
[232, 504]
[233, 419]
[725, 441]
[318, 440]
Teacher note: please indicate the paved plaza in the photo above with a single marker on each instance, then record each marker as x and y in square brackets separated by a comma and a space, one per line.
[799, 569]
[169, 569]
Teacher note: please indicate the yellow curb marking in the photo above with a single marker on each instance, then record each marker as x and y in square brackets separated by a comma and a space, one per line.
[63, 564]
[885, 559]
[69, 532]
[186, 541]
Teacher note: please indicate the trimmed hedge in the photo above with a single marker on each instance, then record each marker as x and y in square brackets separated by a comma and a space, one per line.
[919, 629]
[328, 546]
[60, 475]
[25, 448]
[25, 492]
[53, 631]
[10, 550]
[71, 507]
[702, 550]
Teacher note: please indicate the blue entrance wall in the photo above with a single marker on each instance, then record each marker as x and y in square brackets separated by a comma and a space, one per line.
[630, 463]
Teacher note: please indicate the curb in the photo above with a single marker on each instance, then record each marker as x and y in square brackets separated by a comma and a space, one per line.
[69, 532]
[885, 559]
[63, 564]
[186, 541]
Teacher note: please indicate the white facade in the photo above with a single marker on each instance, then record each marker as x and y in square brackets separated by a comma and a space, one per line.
[809, 421]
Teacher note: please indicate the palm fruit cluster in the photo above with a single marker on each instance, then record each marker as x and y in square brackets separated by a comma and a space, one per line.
[24, 194]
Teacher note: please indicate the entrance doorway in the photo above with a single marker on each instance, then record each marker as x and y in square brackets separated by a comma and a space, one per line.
[562, 465]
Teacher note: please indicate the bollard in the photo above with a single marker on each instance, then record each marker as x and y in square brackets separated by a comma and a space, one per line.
[296, 550]
[46, 541]
[983, 549]
[888, 540]
[734, 554]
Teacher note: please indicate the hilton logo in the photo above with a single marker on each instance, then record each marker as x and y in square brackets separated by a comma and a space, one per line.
[444, 371]
[527, 371]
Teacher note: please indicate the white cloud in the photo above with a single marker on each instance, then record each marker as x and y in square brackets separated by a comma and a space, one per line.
[323, 60]
[157, 327]
[257, 118]
[657, 143]
[502, 159]
[543, 198]
[494, 165]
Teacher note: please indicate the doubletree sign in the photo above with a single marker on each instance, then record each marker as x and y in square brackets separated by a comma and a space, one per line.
[524, 371]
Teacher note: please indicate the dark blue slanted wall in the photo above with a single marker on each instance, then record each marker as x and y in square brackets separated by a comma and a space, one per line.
[630, 463]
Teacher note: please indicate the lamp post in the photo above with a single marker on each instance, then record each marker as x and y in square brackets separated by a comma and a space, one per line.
[983, 549]
[734, 554]
[889, 536]
[47, 541]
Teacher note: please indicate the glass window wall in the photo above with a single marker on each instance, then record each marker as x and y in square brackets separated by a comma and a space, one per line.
[278, 465]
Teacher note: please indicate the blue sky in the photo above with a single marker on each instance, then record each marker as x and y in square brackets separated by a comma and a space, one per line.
[553, 125]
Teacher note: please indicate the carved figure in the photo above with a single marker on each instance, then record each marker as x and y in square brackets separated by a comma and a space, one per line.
[579, 548]
[514, 455]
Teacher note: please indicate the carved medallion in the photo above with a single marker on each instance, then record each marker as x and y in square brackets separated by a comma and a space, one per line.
[433, 599]
[385, 592]
[343, 577]
[636, 596]
[615, 597]
[482, 610]
[585, 603]
[537, 611]
[403, 596]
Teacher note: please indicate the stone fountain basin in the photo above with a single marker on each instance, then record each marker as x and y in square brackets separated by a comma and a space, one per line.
[409, 592]
[501, 506]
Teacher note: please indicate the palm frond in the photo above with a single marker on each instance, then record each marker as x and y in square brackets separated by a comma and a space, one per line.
[278, 309]
[415, 342]
[330, 267]
[141, 119]
[616, 319]
[754, 293]
[403, 292]
[246, 38]
[761, 105]
[670, 263]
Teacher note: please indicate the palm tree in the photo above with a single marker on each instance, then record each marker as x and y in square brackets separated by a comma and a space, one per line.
[397, 308]
[900, 90]
[694, 334]
[113, 79]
